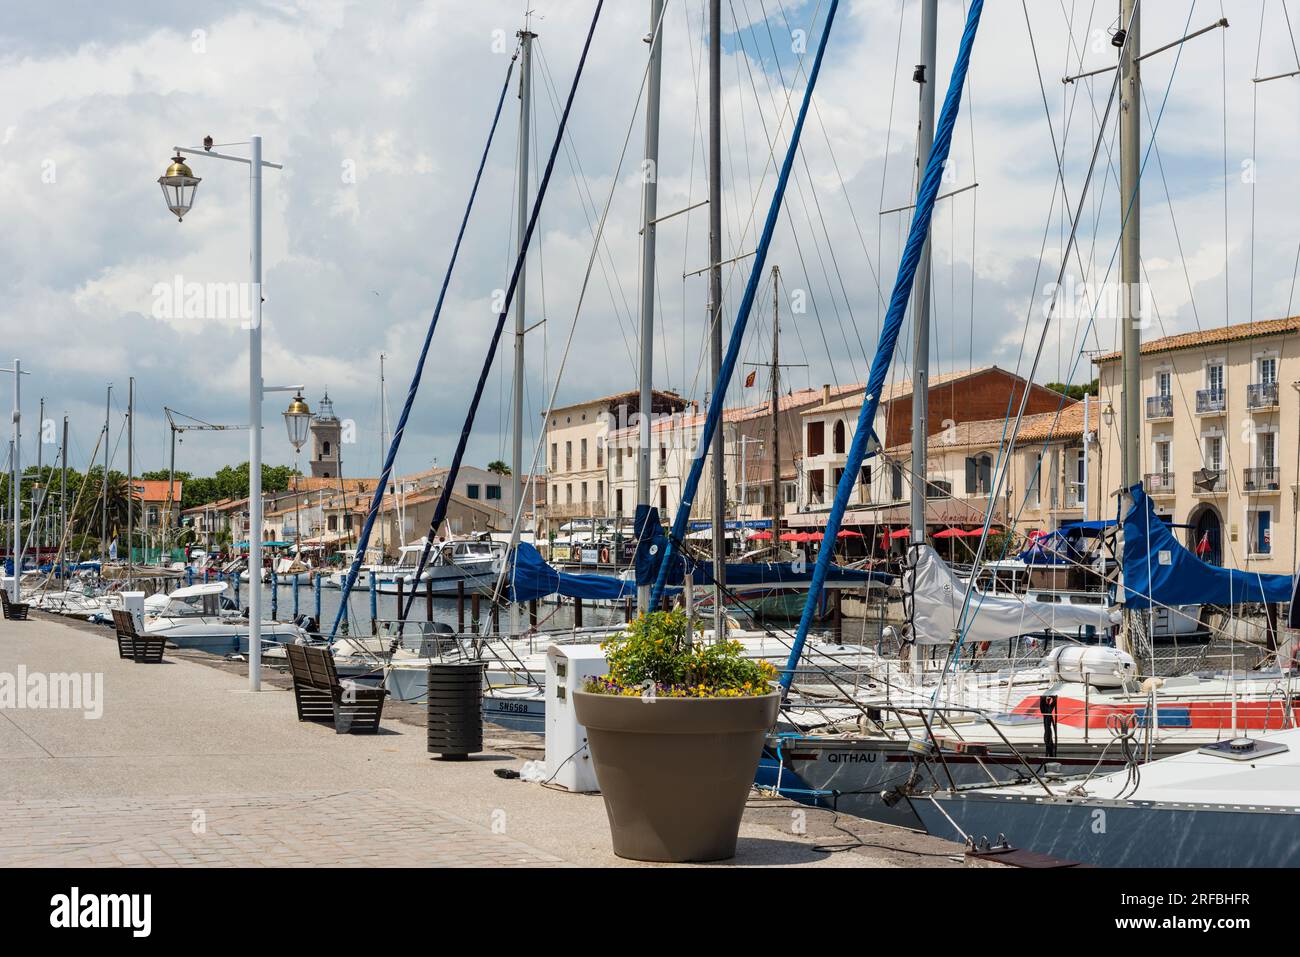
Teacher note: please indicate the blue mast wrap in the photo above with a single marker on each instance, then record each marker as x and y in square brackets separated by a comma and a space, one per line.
[714, 416]
[893, 324]
[390, 460]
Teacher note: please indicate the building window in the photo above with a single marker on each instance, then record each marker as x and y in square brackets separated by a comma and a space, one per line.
[333, 523]
[600, 491]
[1032, 481]
[555, 495]
[582, 458]
[494, 492]
[568, 494]
[896, 481]
[584, 493]
[618, 501]
[1164, 457]
[816, 487]
[1214, 379]
[864, 476]
[1261, 531]
[791, 491]
[663, 498]
[1268, 370]
[471, 491]
[1078, 487]
[555, 457]
[979, 474]
[1214, 453]
[816, 440]
[324, 448]
[600, 453]
[1266, 450]
[838, 437]
[568, 456]
[663, 456]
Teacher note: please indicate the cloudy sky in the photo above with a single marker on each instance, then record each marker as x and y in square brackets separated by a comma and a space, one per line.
[379, 109]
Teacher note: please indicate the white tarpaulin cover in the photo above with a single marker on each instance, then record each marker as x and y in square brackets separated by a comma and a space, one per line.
[938, 595]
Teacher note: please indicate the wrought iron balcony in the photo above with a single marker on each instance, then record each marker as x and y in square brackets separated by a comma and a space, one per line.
[1211, 400]
[1261, 395]
[1160, 407]
[1159, 483]
[1262, 479]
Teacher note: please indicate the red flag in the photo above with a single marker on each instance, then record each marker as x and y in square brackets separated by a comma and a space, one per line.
[749, 379]
[1203, 546]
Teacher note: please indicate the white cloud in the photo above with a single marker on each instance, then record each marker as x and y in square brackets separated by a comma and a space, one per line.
[379, 112]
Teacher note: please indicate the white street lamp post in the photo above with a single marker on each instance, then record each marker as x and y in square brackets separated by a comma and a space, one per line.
[179, 185]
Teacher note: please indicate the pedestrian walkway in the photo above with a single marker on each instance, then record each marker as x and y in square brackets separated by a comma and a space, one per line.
[184, 766]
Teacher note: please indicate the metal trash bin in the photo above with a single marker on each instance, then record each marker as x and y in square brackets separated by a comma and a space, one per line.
[455, 709]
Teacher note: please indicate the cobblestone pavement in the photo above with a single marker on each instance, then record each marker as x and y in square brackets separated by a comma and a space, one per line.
[365, 827]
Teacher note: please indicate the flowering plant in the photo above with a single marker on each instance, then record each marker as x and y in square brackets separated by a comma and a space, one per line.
[655, 657]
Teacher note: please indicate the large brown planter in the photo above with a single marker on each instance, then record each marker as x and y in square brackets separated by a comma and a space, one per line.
[675, 772]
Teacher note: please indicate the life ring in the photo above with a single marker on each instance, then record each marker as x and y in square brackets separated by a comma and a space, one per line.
[604, 556]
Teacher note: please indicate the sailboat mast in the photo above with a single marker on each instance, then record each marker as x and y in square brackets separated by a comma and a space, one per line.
[383, 444]
[1130, 91]
[649, 212]
[775, 405]
[16, 483]
[925, 76]
[63, 486]
[526, 38]
[130, 475]
[1130, 242]
[718, 452]
[103, 486]
[38, 487]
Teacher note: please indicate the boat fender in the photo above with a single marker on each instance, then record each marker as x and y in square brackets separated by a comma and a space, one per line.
[1152, 683]
[1047, 707]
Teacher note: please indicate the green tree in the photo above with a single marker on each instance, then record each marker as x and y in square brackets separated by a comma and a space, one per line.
[1075, 391]
[498, 468]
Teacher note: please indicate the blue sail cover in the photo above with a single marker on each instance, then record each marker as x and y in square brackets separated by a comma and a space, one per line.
[1061, 547]
[533, 578]
[652, 544]
[1160, 571]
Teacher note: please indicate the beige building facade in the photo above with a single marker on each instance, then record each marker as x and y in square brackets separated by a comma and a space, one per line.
[578, 469]
[1220, 437]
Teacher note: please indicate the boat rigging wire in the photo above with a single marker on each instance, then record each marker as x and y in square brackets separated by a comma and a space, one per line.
[444, 498]
[890, 330]
[400, 430]
[517, 519]
[714, 415]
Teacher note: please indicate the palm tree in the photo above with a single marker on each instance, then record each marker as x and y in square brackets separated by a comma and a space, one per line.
[498, 468]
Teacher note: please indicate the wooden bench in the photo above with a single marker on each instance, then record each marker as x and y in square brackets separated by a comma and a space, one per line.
[352, 704]
[142, 649]
[13, 611]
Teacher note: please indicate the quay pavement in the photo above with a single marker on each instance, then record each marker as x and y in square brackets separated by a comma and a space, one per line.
[185, 767]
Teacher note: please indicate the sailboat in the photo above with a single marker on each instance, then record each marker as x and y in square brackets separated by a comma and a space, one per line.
[937, 725]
